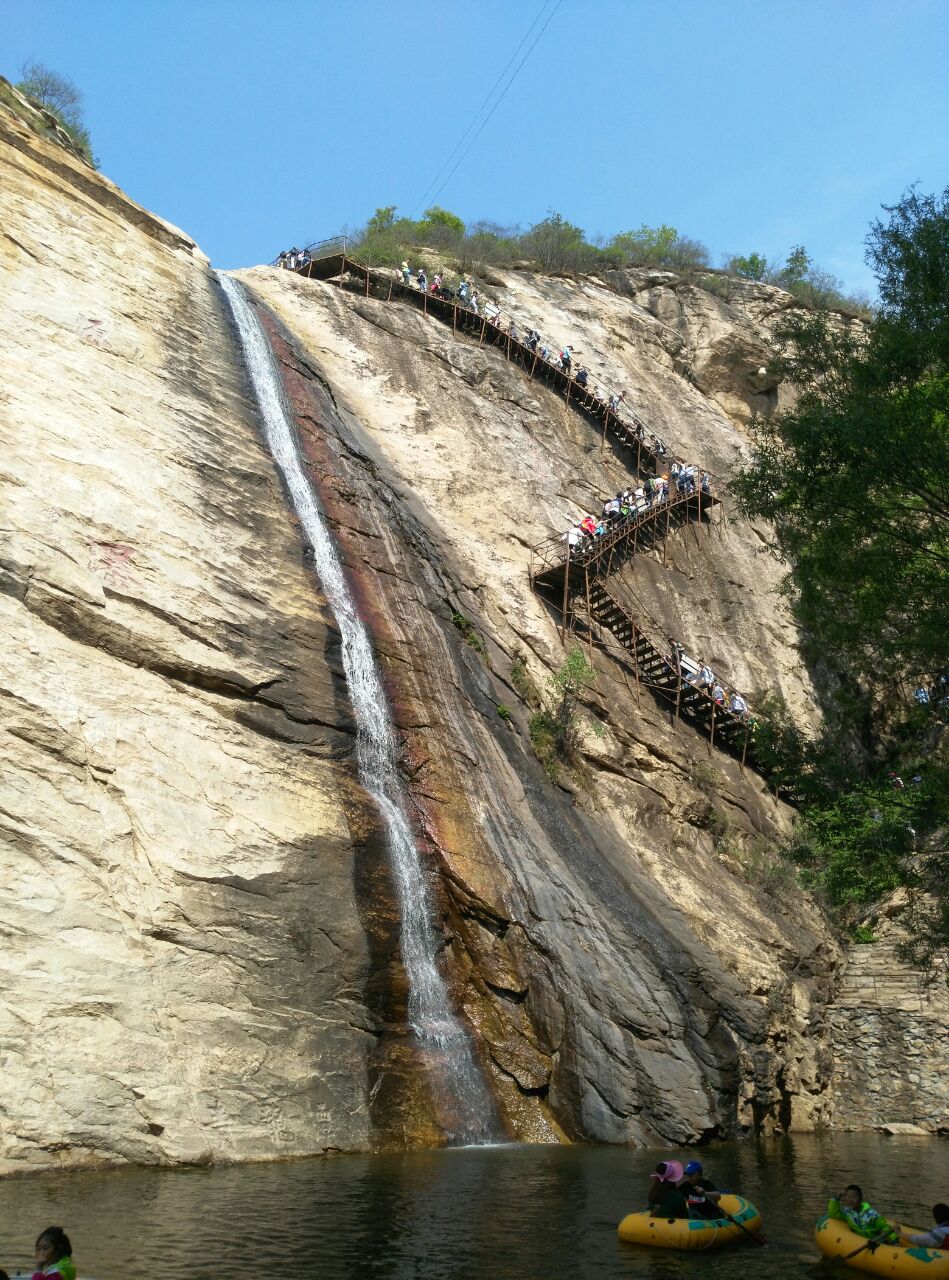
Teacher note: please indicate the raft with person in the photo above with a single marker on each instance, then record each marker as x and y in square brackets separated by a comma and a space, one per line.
[739, 1218]
[685, 1210]
[900, 1261]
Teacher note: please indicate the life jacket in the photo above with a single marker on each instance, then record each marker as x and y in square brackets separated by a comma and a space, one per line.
[65, 1268]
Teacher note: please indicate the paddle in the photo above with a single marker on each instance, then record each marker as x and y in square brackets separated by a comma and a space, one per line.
[847, 1256]
[753, 1235]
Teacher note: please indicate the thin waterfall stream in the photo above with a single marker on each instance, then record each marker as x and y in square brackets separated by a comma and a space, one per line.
[430, 1014]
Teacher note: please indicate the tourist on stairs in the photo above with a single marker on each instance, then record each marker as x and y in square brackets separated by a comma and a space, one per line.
[860, 1216]
[737, 705]
[699, 1191]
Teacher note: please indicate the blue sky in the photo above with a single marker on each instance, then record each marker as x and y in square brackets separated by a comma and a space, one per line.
[749, 126]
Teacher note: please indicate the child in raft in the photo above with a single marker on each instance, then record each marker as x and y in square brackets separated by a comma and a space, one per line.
[861, 1217]
[54, 1255]
[665, 1200]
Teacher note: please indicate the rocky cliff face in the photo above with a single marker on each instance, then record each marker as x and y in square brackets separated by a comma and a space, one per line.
[199, 939]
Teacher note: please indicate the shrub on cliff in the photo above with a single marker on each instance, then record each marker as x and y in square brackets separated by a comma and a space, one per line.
[557, 729]
[61, 98]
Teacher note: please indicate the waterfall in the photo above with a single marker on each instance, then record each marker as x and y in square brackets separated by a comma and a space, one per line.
[430, 1014]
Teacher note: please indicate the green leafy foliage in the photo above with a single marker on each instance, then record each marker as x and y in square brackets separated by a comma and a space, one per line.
[853, 478]
[467, 629]
[523, 683]
[557, 728]
[559, 246]
[752, 267]
[62, 99]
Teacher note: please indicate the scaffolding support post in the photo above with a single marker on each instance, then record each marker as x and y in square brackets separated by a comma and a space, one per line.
[586, 583]
[566, 588]
[744, 750]
[484, 325]
[639, 696]
[712, 733]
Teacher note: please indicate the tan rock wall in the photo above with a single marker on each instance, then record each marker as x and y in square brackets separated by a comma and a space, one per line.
[463, 464]
[183, 959]
[198, 937]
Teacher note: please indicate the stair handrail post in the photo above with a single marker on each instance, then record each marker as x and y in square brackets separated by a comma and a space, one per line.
[665, 540]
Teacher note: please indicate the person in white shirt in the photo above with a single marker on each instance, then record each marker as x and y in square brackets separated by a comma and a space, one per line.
[938, 1236]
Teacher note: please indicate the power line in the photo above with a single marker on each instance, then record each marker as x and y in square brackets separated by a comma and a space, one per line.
[425, 199]
[499, 101]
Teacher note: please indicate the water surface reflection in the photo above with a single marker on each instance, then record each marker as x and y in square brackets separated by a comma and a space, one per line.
[514, 1213]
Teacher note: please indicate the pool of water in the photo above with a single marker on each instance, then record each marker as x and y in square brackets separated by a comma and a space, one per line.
[504, 1213]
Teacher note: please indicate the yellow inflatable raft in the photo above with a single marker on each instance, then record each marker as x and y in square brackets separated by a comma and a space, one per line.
[691, 1233]
[902, 1262]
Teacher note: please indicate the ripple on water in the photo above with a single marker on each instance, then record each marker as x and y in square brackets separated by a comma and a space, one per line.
[484, 1213]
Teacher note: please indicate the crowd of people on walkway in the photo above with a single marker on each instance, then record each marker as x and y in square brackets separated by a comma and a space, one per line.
[293, 259]
[629, 504]
[934, 694]
[560, 358]
[700, 676]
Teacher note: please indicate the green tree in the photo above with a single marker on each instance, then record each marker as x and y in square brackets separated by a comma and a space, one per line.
[855, 477]
[438, 217]
[752, 267]
[558, 245]
[381, 221]
[61, 98]
[796, 268]
[649, 246]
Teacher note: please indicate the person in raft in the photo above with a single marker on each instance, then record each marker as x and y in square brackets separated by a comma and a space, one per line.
[700, 1194]
[938, 1236]
[665, 1200]
[53, 1255]
[861, 1217]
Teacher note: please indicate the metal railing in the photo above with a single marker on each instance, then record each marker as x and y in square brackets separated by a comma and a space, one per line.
[628, 428]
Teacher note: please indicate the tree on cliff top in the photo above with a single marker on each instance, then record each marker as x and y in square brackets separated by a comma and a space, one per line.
[855, 477]
[61, 98]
